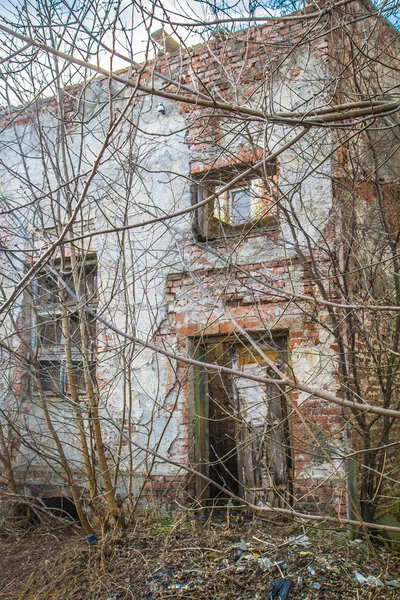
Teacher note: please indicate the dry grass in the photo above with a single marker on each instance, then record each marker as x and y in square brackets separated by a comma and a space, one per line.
[200, 558]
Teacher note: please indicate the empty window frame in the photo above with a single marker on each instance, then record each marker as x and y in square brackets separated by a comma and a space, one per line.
[53, 376]
[49, 301]
[249, 204]
[48, 294]
[49, 330]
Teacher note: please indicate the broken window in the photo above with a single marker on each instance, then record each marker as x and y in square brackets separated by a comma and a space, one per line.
[248, 204]
[54, 377]
[58, 325]
[49, 292]
[49, 329]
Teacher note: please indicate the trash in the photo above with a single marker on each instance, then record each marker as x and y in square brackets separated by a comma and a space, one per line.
[246, 556]
[241, 568]
[311, 570]
[370, 580]
[184, 587]
[280, 590]
[360, 578]
[91, 539]
[317, 586]
[265, 563]
[242, 545]
[249, 556]
[299, 540]
[374, 581]
[160, 573]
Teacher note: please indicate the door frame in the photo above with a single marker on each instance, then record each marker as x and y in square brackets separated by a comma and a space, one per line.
[200, 405]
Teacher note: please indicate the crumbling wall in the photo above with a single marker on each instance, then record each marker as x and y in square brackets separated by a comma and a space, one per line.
[165, 285]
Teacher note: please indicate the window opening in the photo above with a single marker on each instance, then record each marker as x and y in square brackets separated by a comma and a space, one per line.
[249, 205]
[241, 205]
[54, 380]
[50, 303]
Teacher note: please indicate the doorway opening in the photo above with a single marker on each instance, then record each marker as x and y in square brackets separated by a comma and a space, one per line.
[242, 431]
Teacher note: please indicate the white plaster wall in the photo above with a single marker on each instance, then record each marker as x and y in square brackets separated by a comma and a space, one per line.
[132, 296]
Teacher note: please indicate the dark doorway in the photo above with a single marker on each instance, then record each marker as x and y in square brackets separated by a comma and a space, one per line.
[242, 430]
[61, 507]
[222, 452]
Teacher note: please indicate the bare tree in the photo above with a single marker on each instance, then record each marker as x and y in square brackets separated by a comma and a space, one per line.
[200, 275]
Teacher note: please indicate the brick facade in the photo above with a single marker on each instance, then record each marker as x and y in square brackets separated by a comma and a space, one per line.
[257, 280]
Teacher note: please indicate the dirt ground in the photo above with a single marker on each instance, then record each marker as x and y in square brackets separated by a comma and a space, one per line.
[212, 558]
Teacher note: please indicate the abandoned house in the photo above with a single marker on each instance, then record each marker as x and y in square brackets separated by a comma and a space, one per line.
[134, 220]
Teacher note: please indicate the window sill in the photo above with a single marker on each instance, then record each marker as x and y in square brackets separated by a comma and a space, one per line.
[54, 396]
[248, 230]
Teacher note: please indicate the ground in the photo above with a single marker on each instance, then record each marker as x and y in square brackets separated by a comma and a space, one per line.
[211, 557]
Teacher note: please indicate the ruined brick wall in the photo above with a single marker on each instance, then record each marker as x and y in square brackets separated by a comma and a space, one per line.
[253, 276]
[237, 272]
[315, 426]
[245, 69]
